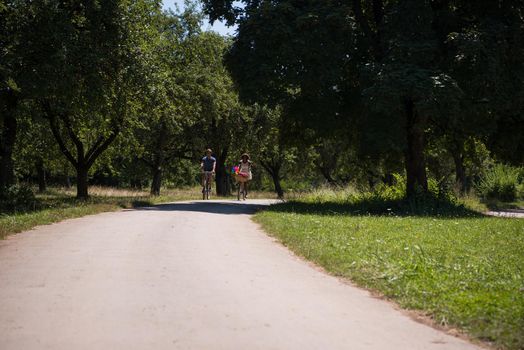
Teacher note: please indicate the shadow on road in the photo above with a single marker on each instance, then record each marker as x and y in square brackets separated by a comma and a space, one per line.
[210, 207]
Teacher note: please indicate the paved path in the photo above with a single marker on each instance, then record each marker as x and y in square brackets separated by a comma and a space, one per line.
[184, 276]
[508, 213]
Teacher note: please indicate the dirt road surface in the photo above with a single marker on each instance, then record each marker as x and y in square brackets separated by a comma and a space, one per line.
[194, 275]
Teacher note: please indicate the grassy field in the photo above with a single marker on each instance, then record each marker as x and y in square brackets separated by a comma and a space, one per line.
[59, 204]
[458, 267]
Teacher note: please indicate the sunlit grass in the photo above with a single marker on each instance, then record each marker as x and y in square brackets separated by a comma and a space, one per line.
[460, 268]
[58, 204]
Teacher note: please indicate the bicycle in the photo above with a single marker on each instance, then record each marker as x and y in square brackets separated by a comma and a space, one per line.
[206, 188]
[242, 182]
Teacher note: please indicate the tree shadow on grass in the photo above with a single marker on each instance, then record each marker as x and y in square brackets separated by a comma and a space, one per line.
[380, 207]
[63, 201]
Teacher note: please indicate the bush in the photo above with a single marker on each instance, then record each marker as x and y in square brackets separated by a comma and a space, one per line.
[17, 198]
[388, 200]
[520, 191]
[500, 182]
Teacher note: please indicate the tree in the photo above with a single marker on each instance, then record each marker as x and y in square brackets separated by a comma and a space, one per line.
[222, 119]
[88, 65]
[374, 60]
[269, 144]
[170, 109]
[36, 151]
[9, 90]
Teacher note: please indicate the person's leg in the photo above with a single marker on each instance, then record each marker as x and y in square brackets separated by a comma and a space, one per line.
[245, 188]
[239, 190]
[204, 178]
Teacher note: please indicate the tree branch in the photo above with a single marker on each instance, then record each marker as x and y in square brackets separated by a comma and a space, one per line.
[146, 162]
[267, 167]
[97, 151]
[78, 143]
[93, 148]
[49, 115]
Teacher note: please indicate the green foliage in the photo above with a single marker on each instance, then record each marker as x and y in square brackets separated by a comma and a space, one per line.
[500, 182]
[58, 204]
[18, 198]
[462, 270]
[386, 73]
[384, 200]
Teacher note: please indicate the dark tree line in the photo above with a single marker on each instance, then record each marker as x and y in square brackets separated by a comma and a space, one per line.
[119, 87]
[394, 75]
[319, 91]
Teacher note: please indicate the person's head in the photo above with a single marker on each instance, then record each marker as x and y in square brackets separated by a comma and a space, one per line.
[209, 152]
[245, 157]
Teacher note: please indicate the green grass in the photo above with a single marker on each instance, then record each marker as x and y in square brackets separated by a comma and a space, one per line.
[460, 268]
[59, 204]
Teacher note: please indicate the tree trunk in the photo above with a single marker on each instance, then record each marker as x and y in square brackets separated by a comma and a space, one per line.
[83, 160]
[82, 181]
[221, 179]
[221, 173]
[415, 162]
[328, 161]
[460, 171]
[7, 142]
[40, 171]
[159, 160]
[326, 172]
[273, 168]
[278, 187]
[157, 180]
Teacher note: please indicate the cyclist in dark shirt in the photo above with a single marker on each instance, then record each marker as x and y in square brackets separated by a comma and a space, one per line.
[207, 166]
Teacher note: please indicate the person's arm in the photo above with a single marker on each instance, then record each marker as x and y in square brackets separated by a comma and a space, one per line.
[214, 165]
[201, 165]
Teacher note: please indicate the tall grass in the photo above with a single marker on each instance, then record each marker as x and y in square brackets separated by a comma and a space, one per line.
[391, 200]
[500, 182]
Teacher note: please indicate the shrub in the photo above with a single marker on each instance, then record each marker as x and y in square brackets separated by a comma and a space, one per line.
[388, 200]
[499, 182]
[17, 198]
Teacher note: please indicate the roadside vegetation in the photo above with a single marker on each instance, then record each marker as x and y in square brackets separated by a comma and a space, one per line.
[56, 204]
[439, 256]
[336, 94]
